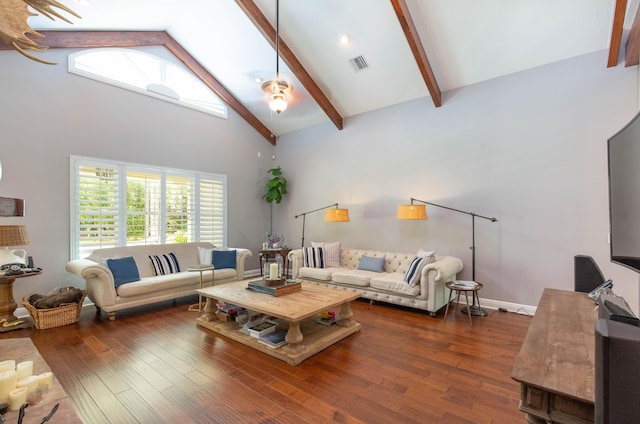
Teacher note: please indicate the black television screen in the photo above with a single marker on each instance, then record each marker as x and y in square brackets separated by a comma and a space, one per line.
[624, 195]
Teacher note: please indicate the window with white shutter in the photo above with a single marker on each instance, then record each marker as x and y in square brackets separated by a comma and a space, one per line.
[122, 204]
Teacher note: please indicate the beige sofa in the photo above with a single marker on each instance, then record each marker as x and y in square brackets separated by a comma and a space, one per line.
[150, 288]
[429, 294]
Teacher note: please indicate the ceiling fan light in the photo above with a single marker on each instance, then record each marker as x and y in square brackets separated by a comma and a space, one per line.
[278, 103]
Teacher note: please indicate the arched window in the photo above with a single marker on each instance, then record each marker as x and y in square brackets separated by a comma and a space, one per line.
[147, 74]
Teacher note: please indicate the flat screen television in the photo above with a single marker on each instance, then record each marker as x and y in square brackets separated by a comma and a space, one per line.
[624, 195]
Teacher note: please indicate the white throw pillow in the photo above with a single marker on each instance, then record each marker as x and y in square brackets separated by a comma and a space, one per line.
[204, 255]
[331, 253]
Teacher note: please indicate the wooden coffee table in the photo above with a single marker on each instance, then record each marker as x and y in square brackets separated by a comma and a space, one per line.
[298, 310]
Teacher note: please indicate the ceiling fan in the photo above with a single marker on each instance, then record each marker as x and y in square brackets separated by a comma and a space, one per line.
[278, 91]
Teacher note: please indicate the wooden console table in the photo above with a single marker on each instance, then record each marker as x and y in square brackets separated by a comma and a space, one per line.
[555, 366]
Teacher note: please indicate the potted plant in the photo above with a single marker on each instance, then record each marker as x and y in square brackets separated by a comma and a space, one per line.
[276, 186]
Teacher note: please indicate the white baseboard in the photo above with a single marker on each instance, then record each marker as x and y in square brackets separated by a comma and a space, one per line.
[484, 303]
[510, 307]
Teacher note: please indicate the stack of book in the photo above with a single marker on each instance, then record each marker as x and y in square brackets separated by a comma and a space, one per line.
[274, 339]
[260, 287]
[468, 285]
[262, 329]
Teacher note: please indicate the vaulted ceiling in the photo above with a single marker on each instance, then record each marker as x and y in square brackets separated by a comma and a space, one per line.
[411, 48]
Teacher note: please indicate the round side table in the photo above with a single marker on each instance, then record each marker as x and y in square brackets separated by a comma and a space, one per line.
[464, 287]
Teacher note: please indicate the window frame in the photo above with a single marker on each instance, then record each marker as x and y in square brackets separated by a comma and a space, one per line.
[156, 85]
[217, 205]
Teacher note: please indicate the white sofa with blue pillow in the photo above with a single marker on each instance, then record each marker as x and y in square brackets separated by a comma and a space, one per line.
[414, 280]
[117, 278]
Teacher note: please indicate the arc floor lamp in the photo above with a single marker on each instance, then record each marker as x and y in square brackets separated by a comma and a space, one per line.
[331, 215]
[419, 212]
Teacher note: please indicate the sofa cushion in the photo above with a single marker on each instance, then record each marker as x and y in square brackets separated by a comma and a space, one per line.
[331, 252]
[354, 277]
[221, 259]
[124, 270]
[313, 257]
[321, 274]
[369, 263]
[164, 264]
[160, 283]
[393, 282]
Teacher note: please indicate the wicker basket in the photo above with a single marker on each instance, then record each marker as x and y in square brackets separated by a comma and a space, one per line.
[55, 317]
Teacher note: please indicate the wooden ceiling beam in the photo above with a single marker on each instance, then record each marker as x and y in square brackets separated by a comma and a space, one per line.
[413, 38]
[268, 31]
[616, 32]
[95, 39]
[633, 42]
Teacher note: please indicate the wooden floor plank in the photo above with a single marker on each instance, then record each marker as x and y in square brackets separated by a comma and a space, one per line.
[153, 364]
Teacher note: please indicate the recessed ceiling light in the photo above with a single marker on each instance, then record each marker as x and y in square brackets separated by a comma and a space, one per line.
[259, 80]
[344, 39]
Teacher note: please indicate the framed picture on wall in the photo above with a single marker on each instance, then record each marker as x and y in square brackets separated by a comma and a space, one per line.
[11, 207]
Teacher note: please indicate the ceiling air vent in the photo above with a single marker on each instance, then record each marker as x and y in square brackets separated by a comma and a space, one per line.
[359, 63]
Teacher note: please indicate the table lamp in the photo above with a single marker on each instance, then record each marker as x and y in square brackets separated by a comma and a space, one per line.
[13, 235]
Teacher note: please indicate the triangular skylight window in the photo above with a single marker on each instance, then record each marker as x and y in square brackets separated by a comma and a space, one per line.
[147, 74]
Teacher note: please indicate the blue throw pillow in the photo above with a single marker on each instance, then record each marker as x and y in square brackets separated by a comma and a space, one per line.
[124, 270]
[223, 259]
[369, 263]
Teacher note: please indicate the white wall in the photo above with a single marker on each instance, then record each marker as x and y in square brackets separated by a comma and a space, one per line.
[528, 149]
[46, 115]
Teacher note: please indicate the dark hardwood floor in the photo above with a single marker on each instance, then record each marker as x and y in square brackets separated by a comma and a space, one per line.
[153, 365]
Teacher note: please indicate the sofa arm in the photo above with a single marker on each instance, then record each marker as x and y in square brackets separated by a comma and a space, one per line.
[241, 257]
[445, 267]
[98, 281]
[296, 261]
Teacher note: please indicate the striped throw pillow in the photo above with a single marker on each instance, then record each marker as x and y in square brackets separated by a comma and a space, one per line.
[165, 264]
[412, 276]
[331, 253]
[313, 257]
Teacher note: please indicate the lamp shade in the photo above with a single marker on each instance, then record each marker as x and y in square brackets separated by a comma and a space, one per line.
[336, 215]
[13, 235]
[416, 212]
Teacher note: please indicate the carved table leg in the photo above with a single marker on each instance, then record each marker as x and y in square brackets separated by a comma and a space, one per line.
[294, 337]
[7, 304]
[209, 311]
[345, 315]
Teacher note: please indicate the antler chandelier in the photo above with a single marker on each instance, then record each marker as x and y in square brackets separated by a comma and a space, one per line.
[278, 91]
[14, 26]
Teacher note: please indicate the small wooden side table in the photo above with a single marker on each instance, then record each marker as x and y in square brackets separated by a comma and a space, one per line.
[280, 251]
[8, 305]
[463, 287]
[200, 269]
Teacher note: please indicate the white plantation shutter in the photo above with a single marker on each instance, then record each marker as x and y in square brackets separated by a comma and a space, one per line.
[121, 204]
[212, 210]
[180, 207]
[96, 216]
[144, 207]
